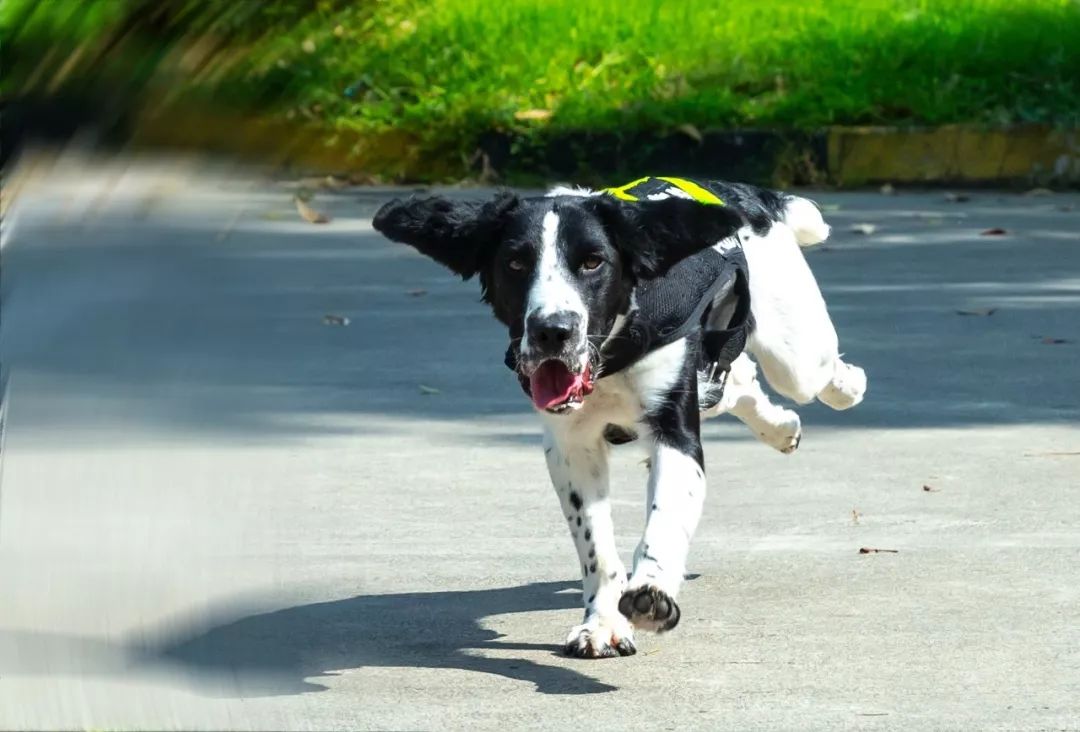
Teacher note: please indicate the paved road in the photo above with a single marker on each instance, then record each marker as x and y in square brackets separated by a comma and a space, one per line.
[220, 512]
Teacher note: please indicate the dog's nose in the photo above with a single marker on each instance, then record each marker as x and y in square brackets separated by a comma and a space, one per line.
[552, 330]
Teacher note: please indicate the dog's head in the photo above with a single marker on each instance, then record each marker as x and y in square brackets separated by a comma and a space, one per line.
[558, 271]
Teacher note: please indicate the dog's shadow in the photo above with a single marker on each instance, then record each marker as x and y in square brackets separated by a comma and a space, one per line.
[276, 653]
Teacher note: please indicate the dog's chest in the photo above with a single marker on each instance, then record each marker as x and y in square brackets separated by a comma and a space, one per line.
[613, 401]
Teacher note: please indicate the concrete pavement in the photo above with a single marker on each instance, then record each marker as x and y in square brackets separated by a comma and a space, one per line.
[220, 512]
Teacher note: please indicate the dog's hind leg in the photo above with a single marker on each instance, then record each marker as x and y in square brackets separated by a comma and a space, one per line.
[743, 397]
[794, 340]
[846, 388]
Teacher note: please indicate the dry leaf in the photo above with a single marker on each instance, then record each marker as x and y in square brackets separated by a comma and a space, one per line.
[982, 312]
[872, 550]
[309, 214]
[929, 489]
[866, 229]
[692, 132]
[996, 231]
[957, 197]
[330, 319]
[1053, 341]
[887, 190]
[532, 114]
[429, 390]
[1039, 192]
[419, 292]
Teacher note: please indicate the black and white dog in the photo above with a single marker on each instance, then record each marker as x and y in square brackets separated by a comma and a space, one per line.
[628, 311]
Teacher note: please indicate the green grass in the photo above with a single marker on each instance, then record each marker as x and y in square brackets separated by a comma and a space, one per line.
[448, 70]
[443, 72]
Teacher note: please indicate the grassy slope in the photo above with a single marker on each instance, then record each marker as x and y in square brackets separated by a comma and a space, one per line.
[448, 69]
[445, 71]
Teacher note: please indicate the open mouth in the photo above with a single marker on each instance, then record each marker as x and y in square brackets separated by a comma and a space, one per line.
[555, 388]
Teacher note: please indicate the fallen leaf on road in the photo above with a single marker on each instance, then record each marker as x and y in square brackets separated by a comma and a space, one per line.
[887, 190]
[1039, 192]
[872, 550]
[930, 489]
[309, 214]
[1053, 341]
[692, 132]
[532, 114]
[331, 319]
[866, 229]
[425, 389]
[419, 292]
[982, 312]
[996, 231]
[957, 197]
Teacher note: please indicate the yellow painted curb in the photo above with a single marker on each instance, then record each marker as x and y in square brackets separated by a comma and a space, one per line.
[953, 153]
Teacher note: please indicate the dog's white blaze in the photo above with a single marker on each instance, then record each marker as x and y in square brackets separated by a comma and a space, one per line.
[552, 291]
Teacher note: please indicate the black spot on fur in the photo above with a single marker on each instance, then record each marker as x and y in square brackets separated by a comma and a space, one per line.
[592, 567]
[588, 534]
[613, 575]
[579, 521]
[591, 599]
[592, 552]
[575, 499]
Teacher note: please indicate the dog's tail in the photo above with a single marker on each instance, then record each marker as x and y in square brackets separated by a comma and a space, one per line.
[803, 217]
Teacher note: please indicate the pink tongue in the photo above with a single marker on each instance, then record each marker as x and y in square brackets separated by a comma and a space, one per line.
[552, 384]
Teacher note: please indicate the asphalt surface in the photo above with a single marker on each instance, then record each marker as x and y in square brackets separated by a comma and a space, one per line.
[221, 509]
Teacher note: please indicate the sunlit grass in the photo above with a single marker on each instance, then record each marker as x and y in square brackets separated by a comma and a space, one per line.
[454, 68]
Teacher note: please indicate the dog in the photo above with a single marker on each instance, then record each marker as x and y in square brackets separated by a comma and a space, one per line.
[632, 314]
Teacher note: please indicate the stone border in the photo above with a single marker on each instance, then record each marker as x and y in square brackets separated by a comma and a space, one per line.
[841, 156]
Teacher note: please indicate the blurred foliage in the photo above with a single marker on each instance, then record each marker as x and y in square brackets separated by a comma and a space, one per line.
[445, 72]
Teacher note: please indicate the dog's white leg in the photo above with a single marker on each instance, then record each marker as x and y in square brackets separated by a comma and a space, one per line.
[794, 339]
[847, 387]
[578, 467]
[743, 397]
[666, 382]
[676, 496]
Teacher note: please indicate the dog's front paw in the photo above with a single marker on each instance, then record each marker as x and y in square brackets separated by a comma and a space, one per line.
[650, 608]
[784, 435]
[601, 638]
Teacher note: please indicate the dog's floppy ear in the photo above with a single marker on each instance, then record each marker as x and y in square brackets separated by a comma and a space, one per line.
[456, 234]
[654, 235]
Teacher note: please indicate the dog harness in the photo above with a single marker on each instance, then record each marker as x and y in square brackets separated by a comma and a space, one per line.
[707, 292]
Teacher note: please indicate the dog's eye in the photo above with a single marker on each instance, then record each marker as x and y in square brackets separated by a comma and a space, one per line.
[516, 265]
[591, 263]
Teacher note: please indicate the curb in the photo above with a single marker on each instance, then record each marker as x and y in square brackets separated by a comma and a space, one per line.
[954, 154]
[841, 156]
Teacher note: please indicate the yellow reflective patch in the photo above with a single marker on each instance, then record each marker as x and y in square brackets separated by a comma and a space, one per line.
[621, 191]
[695, 191]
